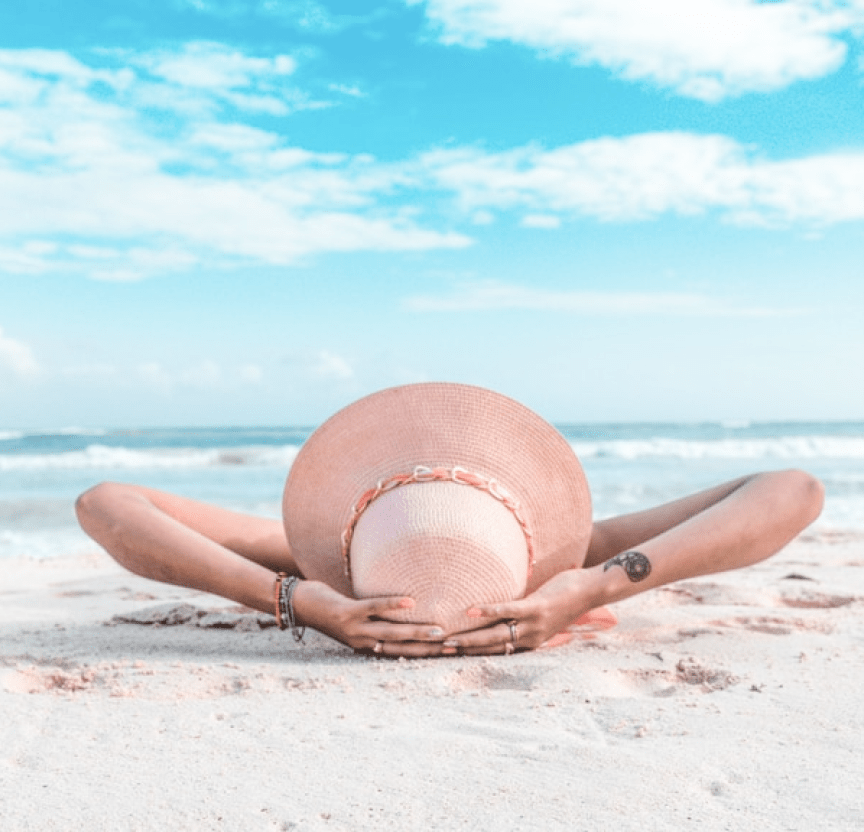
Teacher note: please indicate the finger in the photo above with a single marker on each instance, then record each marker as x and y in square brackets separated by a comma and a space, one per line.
[506, 648]
[390, 603]
[489, 638]
[396, 632]
[492, 650]
[510, 609]
[410, 649]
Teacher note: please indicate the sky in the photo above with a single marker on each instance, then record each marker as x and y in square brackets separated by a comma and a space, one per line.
[253, 212]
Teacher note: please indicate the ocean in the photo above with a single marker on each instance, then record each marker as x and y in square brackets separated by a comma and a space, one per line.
[629, 467]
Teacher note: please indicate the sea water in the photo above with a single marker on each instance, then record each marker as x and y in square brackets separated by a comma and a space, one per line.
[629, 467]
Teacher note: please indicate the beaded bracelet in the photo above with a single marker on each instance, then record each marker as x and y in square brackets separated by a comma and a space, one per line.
[277, 586]
[285, 617]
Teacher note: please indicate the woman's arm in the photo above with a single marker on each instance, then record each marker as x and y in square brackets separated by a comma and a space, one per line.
[617, 534]
[731, 526]
[183, 542]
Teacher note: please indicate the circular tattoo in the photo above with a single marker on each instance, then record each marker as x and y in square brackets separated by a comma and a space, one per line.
[635, 564]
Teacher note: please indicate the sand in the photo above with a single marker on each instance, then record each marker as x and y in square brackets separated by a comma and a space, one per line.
[732, 702]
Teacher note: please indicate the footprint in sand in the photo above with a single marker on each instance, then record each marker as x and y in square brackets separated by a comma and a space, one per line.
[688, 671]
[481, 678]
[714, 594]
[816, 600]
[774, 625]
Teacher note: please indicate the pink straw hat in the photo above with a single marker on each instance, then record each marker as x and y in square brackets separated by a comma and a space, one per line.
[452, 495]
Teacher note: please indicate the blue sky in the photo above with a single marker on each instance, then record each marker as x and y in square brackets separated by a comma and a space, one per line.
[255, 211]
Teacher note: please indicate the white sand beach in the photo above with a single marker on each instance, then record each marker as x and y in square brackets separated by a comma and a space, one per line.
[727, 703]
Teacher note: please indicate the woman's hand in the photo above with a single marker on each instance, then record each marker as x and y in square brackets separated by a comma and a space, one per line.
[533, 620]
[358, 624]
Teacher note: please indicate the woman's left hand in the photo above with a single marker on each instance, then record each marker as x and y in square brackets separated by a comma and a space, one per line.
[533, 620]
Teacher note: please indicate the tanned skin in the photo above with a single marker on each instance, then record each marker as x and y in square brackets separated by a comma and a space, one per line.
[181, 541]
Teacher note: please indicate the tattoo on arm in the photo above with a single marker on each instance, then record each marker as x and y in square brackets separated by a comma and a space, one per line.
[635, 564]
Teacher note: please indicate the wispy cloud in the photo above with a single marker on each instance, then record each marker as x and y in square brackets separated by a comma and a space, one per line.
[704, 49]
[541, 221]
[96, 179]
[87, 156]
[17, 357]
[204, 73]
[154, 375]
[303, 15]
[330, 365]
[250, 374]
[200, 376]
[490, 295]
[350, 90]
[648, 175]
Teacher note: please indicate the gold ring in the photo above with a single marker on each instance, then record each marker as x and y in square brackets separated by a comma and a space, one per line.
[379, 646]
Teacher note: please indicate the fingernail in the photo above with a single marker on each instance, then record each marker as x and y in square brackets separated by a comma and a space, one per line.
[474, 612]
[435, 632]
[406, 603]
[451, 643]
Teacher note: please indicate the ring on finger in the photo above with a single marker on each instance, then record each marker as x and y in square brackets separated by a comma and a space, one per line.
[508, 648]
[379, 646]
[514, 630]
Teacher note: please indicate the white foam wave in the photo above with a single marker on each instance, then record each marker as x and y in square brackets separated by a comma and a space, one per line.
[736, 424]
[789, 447]
[102, 456]
[7, 435]
[73, 431]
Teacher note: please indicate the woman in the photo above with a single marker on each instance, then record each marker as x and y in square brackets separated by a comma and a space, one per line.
[458, 519]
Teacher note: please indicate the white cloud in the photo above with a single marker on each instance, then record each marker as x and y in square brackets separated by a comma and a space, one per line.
[155, 375]
[352, 90]
[208, 374]
[90, 371]
[491, 295]
[17, 357]
[704, 49]
[541, 221]
[115, 194]
[205, 375]
[250, 374]
[134, 197]
[645, 176]
[213, 66]
[329, 365]
[23, 259]
[224, 74]
[305, 15]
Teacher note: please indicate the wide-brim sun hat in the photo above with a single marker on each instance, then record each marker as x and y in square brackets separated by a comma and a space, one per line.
[450, 494]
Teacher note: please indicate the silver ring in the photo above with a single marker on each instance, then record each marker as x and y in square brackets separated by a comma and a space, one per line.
[508, 648]
[514, 631]
[379, 646]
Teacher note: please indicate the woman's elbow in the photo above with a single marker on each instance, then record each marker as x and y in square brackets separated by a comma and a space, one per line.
[93, 507]
[808, 493]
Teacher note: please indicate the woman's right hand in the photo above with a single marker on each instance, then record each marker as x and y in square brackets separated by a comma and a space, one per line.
[358, 623]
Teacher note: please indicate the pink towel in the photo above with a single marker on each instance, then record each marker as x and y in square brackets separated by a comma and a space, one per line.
[584, 627]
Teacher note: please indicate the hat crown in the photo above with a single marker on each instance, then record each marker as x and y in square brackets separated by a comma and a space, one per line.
[444, 544]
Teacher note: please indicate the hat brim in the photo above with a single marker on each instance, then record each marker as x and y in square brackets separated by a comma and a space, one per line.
[436, 425]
